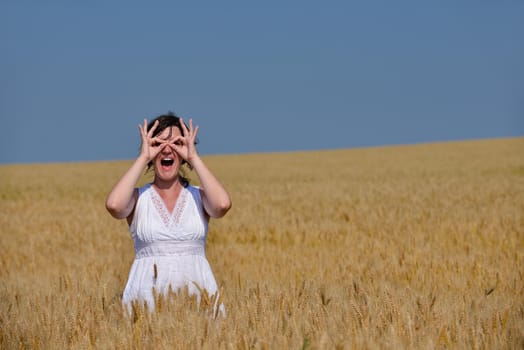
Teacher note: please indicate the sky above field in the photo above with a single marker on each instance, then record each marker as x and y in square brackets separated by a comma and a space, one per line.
[76, 77]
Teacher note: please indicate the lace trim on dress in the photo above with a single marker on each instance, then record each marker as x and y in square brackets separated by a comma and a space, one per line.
[179, 206]
[160, 207]
[173, 218]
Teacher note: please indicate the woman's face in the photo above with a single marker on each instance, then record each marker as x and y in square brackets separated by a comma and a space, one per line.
[167, 163]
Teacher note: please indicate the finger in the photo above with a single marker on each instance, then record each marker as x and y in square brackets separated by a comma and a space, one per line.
[159, 139]
[179, 141]
[155, 124]
[143, 128]
[153, 128]
[195, 132]
[173, 147]
[192, 130]
[177, 148]
[152, 144]
[163, 146]
[183, 125]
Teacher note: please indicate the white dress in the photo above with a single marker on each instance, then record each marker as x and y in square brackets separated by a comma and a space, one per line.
[170, 248]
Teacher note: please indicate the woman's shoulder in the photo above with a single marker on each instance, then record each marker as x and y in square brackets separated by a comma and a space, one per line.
[195, 192]
[143, 189]
[190, 187]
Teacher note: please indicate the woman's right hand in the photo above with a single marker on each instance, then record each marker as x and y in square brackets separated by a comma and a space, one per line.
[151, 146]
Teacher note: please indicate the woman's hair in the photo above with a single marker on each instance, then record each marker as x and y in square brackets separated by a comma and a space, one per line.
[166, 121]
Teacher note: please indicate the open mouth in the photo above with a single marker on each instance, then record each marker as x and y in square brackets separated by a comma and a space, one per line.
[167, 161]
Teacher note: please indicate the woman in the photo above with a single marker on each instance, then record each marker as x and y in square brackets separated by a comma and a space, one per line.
[168, 218]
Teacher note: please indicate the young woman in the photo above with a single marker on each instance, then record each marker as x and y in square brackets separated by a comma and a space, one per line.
[168, 218]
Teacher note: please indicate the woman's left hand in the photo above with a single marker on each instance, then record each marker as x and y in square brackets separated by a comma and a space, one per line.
[215, 199]
[184, 145]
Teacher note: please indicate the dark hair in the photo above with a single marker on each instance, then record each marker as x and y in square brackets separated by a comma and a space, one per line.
[166, 121]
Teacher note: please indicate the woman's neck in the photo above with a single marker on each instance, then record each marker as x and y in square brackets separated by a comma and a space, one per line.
[167, 186]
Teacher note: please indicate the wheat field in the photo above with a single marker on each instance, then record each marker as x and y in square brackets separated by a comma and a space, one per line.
[404, 247]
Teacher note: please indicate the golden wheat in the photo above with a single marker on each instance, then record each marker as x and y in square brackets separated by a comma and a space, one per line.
[409, 247]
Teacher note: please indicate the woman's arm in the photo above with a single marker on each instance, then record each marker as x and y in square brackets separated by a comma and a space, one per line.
[215, 198]
[121, 200]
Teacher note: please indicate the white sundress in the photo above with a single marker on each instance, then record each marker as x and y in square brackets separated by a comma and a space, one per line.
[170, 248]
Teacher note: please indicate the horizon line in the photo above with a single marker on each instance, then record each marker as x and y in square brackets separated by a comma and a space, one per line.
[393, 145]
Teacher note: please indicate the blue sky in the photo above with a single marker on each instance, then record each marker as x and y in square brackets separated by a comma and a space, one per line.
[78, 77]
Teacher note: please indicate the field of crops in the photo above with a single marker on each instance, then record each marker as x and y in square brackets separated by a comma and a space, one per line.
[405, 247]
